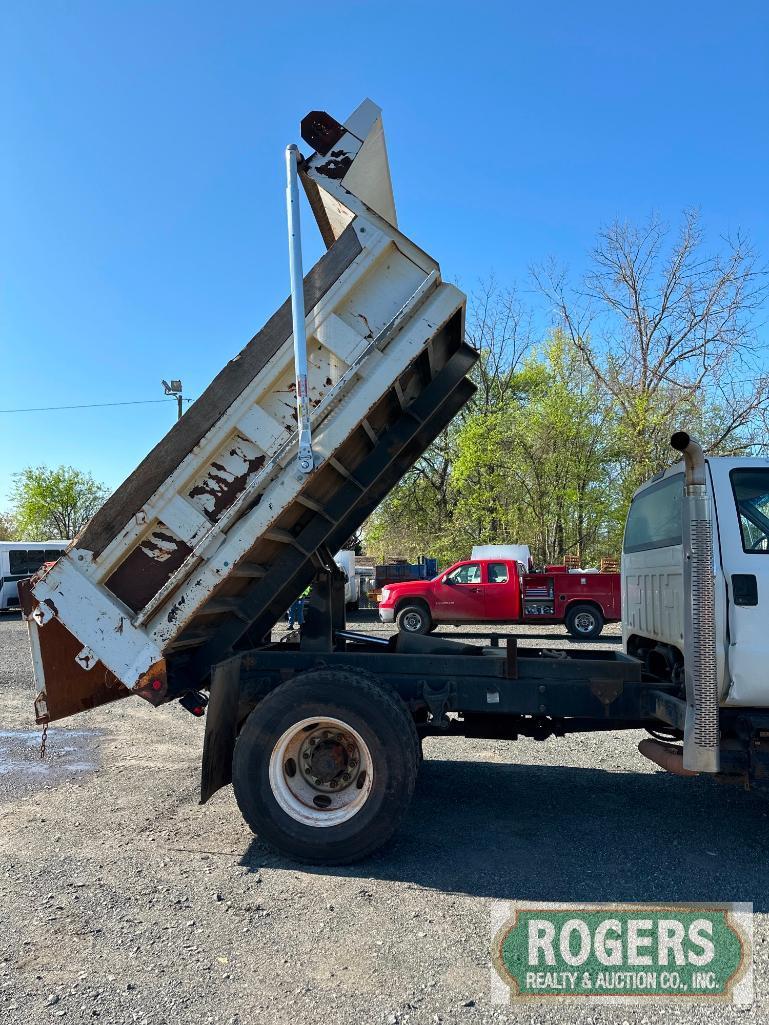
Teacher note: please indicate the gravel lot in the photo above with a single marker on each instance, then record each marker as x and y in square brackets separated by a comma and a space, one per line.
[122, 900]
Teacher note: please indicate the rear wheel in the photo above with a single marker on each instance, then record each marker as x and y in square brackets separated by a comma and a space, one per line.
[410, 722]
[414, 619]
[324, 767]
[584, 622]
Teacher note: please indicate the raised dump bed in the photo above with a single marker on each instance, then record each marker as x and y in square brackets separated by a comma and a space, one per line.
[205, 544]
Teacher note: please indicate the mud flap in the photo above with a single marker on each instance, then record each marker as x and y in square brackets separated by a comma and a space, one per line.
[221, 728]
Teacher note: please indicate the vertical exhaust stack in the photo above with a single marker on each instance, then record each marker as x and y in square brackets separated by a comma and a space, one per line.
[701, 731]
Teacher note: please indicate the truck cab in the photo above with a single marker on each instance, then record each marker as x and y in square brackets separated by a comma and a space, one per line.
[653, 570]
[500, 590]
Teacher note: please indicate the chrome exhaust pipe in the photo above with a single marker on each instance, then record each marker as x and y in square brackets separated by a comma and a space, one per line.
[667, 756]
[701, 727]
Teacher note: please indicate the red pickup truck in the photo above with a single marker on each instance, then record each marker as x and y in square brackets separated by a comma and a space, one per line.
[501, 591]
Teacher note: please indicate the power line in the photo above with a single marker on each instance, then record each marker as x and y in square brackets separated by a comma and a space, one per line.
[87, 405]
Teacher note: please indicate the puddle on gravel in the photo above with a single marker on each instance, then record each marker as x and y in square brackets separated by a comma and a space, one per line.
[69, 754]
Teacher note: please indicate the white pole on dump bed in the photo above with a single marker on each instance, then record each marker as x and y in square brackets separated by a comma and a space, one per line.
[305, 461]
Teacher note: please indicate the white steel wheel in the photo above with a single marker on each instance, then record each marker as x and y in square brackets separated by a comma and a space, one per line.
[321, 772]
[336, 725]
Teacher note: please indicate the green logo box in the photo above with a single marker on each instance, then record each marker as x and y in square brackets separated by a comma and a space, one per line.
[622, 953]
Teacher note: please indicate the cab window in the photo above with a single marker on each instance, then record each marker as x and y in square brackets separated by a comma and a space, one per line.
[469, 574]
[655, 518]
[498, 573]
[751, 496]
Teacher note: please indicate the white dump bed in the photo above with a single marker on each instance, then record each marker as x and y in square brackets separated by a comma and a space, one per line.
[206, 543]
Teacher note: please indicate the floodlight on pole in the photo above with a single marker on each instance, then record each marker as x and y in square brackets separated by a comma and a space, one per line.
[174, 389]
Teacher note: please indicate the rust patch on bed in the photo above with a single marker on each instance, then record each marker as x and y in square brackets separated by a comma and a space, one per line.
[222, 484]
[139, 577]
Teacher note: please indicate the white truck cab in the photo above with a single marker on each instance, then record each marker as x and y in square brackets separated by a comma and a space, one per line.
[653, 571]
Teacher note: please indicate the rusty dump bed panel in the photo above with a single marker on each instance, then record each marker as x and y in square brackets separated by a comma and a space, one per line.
[206, 543]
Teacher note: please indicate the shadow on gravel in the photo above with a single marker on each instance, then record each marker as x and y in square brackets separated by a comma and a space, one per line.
[551, 833]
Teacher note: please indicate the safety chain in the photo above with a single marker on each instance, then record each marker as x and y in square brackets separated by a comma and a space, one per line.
[43, 740]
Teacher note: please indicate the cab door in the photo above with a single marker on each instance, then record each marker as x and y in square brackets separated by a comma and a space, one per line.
[742, 501]
[502, 593]
[459, 595]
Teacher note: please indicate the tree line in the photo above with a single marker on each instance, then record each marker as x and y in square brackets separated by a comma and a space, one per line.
[660, 334]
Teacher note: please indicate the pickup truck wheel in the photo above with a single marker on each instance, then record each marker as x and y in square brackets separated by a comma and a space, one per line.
[414, 619]
[584, 622]
[324, 767]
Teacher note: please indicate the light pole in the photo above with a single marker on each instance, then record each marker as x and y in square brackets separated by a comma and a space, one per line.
[175, 389]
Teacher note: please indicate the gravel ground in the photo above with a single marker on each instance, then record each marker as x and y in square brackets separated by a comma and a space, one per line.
[122, 900]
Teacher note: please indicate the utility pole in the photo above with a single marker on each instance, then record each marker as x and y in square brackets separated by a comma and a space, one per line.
[174, 389]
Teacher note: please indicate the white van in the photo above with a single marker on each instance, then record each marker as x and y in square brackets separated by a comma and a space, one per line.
[20, 559]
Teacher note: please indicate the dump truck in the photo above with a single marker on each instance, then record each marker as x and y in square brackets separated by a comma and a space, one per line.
[172, 590]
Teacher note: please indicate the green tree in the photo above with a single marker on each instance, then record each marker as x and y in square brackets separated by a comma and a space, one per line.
[54, 503]
[541, 467]
[8, 531]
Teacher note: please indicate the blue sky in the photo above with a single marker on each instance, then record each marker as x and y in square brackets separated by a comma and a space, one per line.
[142, 222]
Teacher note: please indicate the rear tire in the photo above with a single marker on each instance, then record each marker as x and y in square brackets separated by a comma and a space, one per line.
[324, 767]
[411, 726]
[414, 619]
[584, 622]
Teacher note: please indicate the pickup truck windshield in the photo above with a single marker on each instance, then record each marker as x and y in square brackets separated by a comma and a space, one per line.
[751, 495]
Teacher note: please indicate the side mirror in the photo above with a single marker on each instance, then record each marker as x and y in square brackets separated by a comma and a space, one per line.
[449, 581]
